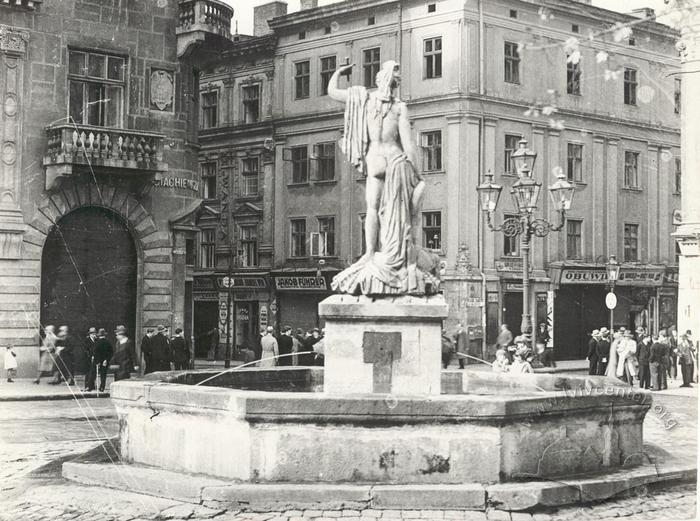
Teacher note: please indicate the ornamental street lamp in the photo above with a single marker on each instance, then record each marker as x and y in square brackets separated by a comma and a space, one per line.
[612, 270]
[525, 193]
[233, 261]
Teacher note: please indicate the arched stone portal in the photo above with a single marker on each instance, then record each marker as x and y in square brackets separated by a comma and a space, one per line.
[89, 273]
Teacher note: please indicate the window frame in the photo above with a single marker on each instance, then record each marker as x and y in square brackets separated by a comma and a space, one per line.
[325, 162]
[630, 167]
[627, 241]
[372, 67]
[207, 250]
[248, 245]
[292, 235]
[247, 174]
[431, 229]
[85, 80]
[432, 152]
[573, 77]
[248, 102]
[677, 84]
[209, 109]
[325, 73]
[511, 63]
[432, 60]
[508, 169]
[630, 85]
[302, 163]
[302, 80]
[577, 238]
[573, 161]
[677, 176]
[206, 176]
[328, 251]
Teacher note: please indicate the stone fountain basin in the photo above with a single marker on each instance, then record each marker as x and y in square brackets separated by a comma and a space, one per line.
[508, 427]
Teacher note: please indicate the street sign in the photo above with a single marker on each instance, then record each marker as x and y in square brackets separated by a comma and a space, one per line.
[611, 300]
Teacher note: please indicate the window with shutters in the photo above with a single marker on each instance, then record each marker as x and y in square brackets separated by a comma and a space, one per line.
[96, 88]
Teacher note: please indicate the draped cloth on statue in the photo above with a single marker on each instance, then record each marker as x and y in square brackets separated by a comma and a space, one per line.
[394, 268]
[355, 140]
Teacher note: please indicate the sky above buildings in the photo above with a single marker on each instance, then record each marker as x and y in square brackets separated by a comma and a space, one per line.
[244, 8]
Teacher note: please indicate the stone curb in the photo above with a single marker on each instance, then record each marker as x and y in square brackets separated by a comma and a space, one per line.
[45, 397]
[527, 495]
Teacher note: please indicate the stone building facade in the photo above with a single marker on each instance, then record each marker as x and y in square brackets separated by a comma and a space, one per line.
[593, 92]
[99, 181]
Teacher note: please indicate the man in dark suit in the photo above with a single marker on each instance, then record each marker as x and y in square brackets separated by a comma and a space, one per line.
[461, 344]
[643, 354]
[160, 350]
[147, 350]
[180, 351]
[285, 345]
[91, 373]
[658, 363]
[103, 355]
[603, 350]
[592, 354]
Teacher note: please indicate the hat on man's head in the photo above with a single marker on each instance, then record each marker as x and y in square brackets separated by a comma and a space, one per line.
[627, 332]
[315, 330]
[595, 332]
[161, 327]
[102, 332]
[92, 331]
[299, 331]
[520, 339]
[287, 328]
[150, 330]
[178, 331]
[121, 330]
[604, 330]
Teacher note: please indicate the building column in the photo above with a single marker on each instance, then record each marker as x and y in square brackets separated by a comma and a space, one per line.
[598, 210]
[13, 46]
[455, 203]
[539, 246]
[688, 233]
[653, 197]
[178, 280]
[489, 237]
[611, 189]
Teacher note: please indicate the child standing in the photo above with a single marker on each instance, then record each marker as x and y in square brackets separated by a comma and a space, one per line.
[10, 363]
[500, 365]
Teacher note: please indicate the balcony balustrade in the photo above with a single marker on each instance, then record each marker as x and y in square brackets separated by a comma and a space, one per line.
[112, 150]
[199, 19]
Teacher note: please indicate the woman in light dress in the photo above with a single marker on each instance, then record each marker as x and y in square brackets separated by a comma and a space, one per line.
[627, 358]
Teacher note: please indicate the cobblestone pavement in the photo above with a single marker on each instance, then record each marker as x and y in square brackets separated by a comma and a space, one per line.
[36, 437]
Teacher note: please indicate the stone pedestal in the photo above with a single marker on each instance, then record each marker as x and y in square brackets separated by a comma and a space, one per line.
[387, 345]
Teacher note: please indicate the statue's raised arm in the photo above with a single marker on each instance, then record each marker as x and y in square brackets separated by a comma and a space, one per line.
[333, 91]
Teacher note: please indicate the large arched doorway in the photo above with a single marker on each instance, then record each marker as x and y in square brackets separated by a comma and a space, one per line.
[89, 274]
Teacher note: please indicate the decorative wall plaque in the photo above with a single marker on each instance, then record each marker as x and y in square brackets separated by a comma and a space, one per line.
[162, 89]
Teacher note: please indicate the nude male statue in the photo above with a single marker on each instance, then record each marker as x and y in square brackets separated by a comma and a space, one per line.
[377, 141]
[389, 132]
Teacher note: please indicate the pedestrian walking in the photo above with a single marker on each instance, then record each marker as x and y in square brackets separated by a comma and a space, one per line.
[657, 363]
[10, 363]
[447, 349]
[160, 350]
[91, 372]
[270, 349]
[592, 355]
[505, 340]
[673, 355]
[213, 336]
[180, 350]
[603, 349]
[124, 355]
[46, 353]
[461, 344]
[627, 358]
[63, 366]
[643, 355]
[103, 355]
[687, 357]
[285, 344]
[147, 350]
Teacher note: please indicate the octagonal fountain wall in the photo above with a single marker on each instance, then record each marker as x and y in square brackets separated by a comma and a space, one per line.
[285, 425]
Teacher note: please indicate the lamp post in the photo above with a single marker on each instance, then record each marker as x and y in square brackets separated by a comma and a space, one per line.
[232, 261]
[525, 193]
[612, 269]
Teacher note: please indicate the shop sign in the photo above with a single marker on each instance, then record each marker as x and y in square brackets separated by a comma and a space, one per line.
[514, 286]
[241, 282]
[628, 277]
[242, 315]
[611, 300]
[263, 316]
[474, 302]
[300, 283]
[177, 182]
[515, 264]
[203, 283]
[206, 296]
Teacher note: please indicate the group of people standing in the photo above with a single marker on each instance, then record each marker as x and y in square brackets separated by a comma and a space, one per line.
[290, 347]
[162, 352]
[651, 360]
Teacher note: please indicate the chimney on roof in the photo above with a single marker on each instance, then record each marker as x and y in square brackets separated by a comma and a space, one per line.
[644, 12]
[263, 13]
[308, 4]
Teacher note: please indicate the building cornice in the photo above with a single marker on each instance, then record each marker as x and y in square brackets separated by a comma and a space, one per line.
[327, 11]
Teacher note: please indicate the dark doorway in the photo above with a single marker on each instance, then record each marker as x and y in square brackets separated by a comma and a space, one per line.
[578, 310]
[206, 318]
[88, 275]
[513, 311]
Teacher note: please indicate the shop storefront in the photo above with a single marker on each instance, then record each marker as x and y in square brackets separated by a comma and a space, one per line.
[297, 295]
[645, 298]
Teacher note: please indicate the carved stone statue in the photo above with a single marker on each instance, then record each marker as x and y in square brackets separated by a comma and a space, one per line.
[377, 141]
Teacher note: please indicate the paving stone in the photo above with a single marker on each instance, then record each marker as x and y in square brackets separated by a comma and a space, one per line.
[472, 515]
[432, 514]
[371, 513]
[331, 513]
[520, 516]
[498, 515]
[392, 513]
[313, 513]
[410, 514]
[350, 513]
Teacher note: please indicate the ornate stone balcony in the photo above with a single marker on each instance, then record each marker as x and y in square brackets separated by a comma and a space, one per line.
[200, 20]
[74, 148]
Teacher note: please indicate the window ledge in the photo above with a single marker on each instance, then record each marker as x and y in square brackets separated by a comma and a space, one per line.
[433, 172]
[298, 258]
[319, 257]
[326, 182]
[677, 193]
[579, 183]
[578, 95]
[508, 174]
[632, 189]
[297, 185]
